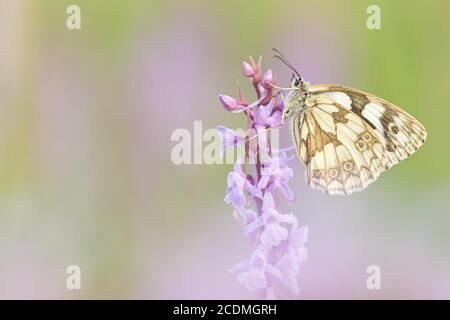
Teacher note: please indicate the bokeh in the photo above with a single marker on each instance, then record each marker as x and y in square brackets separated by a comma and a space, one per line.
[86, 118]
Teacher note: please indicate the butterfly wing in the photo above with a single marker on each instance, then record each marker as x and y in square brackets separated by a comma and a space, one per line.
[400, 134]
[342, 152]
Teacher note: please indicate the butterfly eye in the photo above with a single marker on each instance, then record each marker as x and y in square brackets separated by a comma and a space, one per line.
[297, 82]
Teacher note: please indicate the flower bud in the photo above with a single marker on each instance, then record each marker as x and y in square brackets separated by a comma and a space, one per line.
[229, 103]
[266, 80]
[247, 70]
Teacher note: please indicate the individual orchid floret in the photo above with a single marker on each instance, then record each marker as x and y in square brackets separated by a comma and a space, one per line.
[255, 274]
[276, 173]
[237, 184]
[270, 223]
[247, 70]
[267, 116]
[252, 69]
[266, 87]
[230, 104]
[229, 138]
[233, 105]
[267, 80]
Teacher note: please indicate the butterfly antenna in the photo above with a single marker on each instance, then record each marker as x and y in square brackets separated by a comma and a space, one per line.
[283, 59]
[281, 88]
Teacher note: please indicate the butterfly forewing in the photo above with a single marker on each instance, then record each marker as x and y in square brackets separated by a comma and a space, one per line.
[399, 132]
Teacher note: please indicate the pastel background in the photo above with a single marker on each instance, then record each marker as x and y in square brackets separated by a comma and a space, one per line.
[85, 124]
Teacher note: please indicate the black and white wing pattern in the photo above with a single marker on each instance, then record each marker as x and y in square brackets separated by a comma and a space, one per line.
[342, 152]
[400, 134]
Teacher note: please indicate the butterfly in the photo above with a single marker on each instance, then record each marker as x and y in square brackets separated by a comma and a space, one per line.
[346, 137]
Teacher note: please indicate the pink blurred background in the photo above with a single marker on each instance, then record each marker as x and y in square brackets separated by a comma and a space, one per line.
[85, 123]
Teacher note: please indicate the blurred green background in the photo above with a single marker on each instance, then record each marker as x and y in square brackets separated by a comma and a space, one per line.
[85, 123]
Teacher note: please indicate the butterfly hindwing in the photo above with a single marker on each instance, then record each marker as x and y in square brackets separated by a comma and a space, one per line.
[342, 152]
[399, 132]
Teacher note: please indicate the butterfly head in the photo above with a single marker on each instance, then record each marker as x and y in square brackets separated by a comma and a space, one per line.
[297, 83]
